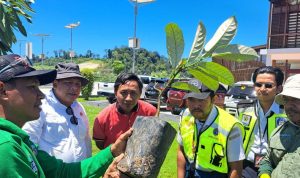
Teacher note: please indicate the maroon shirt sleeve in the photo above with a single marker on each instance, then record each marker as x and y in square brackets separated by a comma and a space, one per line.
[99, 125]
[147, 109]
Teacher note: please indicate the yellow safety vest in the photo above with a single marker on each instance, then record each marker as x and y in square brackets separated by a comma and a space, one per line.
[249, 119]
[211, 151]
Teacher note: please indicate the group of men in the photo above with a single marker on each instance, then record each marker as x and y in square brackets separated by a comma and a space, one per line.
[20, 102]
[57, 142]
[212, 143]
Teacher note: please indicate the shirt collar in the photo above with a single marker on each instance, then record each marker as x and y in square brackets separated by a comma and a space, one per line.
[211, 117]
[121, 111]
[12, 128]
[53, 99]
[275, 108]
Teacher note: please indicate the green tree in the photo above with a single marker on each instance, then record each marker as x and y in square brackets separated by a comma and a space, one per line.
[89, 54]
[146, 61]
[10, 13]
[118, 66]
[87, 90]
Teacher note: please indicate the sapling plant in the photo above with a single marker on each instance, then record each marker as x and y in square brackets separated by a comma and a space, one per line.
[198, 64]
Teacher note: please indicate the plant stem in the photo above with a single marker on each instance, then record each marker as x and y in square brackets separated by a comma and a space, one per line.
[169, 83]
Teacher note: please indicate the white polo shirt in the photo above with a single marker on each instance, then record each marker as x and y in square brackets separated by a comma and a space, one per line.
[54, 133]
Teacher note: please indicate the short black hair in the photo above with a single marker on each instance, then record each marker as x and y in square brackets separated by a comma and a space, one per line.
[212, 94]
[125, 77]
[279, 76]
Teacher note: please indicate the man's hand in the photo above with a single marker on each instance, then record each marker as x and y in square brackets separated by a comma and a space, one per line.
[112, 171]
[119, 146]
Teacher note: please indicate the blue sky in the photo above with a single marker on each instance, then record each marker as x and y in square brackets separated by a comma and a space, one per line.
[108, 24]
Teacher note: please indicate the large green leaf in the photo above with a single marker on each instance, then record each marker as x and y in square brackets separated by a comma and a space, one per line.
[223, 35]
[185, 86]
[207, 79]
[235, 52]
[175, 43]
[10, 13]
[198, 41]
[219, 72]
[19, 23]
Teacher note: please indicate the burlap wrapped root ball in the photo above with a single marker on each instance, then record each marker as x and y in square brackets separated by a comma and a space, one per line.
[147, 147]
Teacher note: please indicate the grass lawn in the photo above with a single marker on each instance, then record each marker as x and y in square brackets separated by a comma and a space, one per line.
[169, 167]
[81, 99]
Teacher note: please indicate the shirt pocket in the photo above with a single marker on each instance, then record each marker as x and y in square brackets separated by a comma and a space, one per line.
[279, 145]
[56, 130]
[82, 129]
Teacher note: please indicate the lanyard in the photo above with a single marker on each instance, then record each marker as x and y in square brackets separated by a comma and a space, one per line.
[262, 134]
[196, 136]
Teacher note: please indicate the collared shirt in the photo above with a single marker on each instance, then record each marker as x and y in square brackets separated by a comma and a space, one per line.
[54, 133]
[235, 151]
[260, 144]
[111, 123]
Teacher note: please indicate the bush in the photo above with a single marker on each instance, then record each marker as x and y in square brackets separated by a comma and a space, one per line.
[87, 90]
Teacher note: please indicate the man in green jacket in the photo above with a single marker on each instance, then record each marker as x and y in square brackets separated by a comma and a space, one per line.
[20, 101]
[286, 138]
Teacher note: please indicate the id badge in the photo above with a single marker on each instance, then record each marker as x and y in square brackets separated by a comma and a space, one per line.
[257, 159]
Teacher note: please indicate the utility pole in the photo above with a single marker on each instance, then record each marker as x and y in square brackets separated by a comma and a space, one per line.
[71, 26]
[134, 42]
[42, 36]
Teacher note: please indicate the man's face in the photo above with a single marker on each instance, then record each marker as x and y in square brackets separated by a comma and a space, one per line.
[200, 108]
[24, 100]
[263, 93]
[292, 109]
[67, 90]
[128, 95]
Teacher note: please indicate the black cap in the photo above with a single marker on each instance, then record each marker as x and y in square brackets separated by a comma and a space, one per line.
[13, 66]
[204, 90]
[70, 70]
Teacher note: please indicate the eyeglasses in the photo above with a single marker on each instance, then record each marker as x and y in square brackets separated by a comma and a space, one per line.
[267, 85]
[25, 61]
[73, 119]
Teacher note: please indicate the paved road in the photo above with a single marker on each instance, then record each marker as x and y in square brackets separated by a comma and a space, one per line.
[165, 115]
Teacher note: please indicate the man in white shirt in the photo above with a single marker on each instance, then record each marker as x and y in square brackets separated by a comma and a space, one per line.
[210, 139]
[262, 118]
[63, 129]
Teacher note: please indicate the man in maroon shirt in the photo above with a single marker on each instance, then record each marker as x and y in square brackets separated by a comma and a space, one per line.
[117, 118]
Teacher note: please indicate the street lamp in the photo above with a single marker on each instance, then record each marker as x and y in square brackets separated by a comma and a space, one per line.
[135, 42]
[71, 26]
[42, 35]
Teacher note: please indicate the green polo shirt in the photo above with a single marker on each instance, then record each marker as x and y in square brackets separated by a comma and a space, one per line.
[19, 157]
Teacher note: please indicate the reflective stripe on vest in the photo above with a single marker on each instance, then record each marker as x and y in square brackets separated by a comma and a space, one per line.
[212, 148]
[249, 119]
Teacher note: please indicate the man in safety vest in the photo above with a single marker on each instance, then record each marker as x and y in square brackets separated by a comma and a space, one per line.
[262, 118]
[210, 139]
[282, 158]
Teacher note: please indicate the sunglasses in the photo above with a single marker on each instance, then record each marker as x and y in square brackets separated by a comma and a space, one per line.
[73, 119]
[266, 85]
